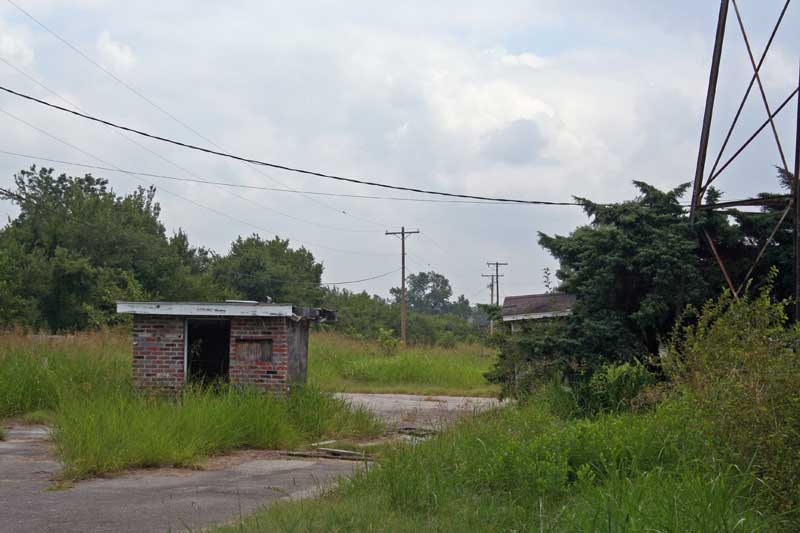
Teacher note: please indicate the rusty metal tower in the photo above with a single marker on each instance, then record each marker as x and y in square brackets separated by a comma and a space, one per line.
[703, 179]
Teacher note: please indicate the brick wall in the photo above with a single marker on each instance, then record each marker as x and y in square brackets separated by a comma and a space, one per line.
[158, 352]
[271, 375]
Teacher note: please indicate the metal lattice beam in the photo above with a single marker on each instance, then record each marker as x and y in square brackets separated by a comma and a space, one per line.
[701, 185]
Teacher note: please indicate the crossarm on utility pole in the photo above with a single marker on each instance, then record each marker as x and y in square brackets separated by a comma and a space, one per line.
[497, 276]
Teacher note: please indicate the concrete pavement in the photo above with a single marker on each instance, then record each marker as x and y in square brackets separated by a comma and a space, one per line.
[148, 500]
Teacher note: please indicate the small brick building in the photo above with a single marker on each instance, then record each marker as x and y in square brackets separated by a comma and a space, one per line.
[246, 343]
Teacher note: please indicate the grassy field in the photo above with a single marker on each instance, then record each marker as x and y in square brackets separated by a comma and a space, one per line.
[339, 363]
[525, 469]
[82, 386]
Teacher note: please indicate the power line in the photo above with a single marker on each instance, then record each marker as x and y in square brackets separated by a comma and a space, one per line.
[174, 164]
[275, 165]
[253, 187]
[314, 283]
[139, 94]
[189, 200]
[218, 184]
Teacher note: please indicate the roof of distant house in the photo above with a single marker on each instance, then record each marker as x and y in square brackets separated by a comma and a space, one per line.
[533, 306]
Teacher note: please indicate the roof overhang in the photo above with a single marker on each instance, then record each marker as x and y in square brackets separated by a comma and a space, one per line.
[206, 309]
[535, 316]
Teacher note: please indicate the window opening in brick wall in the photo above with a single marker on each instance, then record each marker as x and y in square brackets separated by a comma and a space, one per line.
[208, 350]
[254, 350]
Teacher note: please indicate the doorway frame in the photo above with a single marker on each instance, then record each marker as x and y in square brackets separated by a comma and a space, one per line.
[186, 340]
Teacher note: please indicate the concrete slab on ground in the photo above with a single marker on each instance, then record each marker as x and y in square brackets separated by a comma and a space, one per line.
[423, 412]
[148, 500]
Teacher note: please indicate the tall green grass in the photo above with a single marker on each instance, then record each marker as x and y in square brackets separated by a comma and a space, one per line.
[82, 383]
[111, 433]
[338, 363]
[524, 469]
[37, 372]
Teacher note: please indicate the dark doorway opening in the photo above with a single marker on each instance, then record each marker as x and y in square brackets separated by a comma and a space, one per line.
[208, 350]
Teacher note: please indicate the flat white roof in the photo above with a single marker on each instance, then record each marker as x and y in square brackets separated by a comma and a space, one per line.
[205, 308]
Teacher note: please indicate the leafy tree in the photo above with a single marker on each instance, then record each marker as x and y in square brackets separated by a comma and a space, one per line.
[430, 292]
[361, 314]
[262, 269]
[365, 315]
[633, 268]
[739, 243]
[77, 246]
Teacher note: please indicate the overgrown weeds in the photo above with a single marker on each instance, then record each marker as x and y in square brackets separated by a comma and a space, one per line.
[719, 452]
[81, 384]
[111, 433]
[37, 372]
[740, 364]
[526, 469]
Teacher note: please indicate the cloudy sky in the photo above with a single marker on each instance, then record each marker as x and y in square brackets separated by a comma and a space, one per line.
[535, 99]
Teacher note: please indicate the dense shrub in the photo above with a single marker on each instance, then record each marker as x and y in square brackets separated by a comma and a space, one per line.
[388, 342]
[740, 363]
[613, 386]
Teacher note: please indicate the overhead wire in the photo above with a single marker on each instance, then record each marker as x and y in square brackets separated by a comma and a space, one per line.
[169, 161]
[186, 199]
[196, 178]
[164, 111]
[278, 166]
[247, 186]
[162, 176]
[465, 198]
[252, 163]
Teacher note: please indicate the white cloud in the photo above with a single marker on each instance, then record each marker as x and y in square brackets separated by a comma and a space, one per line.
[519, 143]
[114, 54]
[14, 46]
[526, 59]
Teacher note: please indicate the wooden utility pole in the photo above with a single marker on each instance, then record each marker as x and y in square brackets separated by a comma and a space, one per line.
[403, 233]
[491, 300]
[497, 276]
[491, 286]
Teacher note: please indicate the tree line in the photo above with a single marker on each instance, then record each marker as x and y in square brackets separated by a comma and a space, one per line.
[638, 269]
[77, 247]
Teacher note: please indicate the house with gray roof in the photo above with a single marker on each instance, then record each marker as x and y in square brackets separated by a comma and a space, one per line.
[527, 307]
